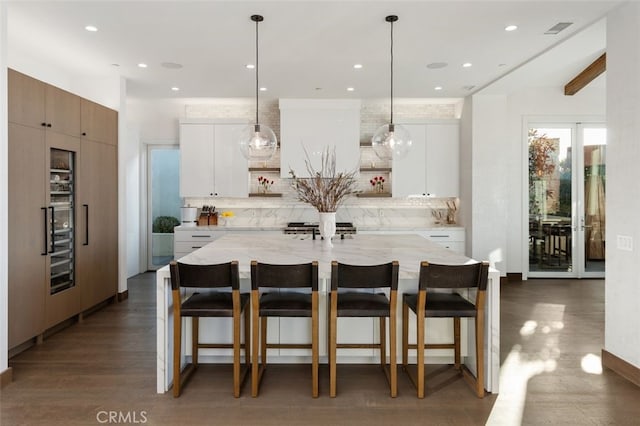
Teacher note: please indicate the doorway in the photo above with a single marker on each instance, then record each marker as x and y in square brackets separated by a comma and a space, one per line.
[566, 200]
[163, 192]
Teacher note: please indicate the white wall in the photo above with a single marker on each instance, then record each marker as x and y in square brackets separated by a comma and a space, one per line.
[622, 285]
[466, 166]
[489, 156]
[4, 209]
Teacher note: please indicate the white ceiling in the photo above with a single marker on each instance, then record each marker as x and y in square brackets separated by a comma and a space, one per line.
[307, 49]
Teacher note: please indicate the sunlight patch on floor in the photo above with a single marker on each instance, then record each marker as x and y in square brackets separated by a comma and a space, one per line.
[591, 364]
[527, 360]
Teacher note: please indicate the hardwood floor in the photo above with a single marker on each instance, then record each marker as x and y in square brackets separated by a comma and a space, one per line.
[552, 330]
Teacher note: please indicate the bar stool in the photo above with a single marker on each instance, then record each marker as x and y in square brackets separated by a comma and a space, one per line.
[213, 303]
[428, 304]
[361, 304]
[283, 304]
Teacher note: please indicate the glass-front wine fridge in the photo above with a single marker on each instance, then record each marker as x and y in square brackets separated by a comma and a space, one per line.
[61, 226]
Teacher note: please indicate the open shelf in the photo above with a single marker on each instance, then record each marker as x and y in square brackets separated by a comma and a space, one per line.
[376, 169]
[374, 194]
[266, 194]
[264, 169]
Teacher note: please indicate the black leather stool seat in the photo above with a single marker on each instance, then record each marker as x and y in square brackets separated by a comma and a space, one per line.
[354, 304]
[285, 304]
[443, 305]
[217, 304]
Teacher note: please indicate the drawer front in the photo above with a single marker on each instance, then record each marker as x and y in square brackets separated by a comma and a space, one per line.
[444, 235]
[195, 235]
[188, 246]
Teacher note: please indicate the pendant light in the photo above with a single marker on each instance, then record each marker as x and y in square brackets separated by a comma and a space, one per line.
[391, 141]
[257, 141]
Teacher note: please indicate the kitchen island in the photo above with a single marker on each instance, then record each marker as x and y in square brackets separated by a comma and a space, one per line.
[409, 250]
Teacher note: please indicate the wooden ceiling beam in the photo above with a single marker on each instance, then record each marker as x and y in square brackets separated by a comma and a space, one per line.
[589, 74]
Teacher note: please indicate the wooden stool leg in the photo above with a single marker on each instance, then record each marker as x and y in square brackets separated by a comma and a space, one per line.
[314, 344]
[393, 346]
[456, 342]
[236, 346]
[420, 351]
[332, 343]
[247, 336]
[263, 340]
[195, 326]
[177, 346]
[480, 354]
[405, 335]
[383, 342]
[255, 337]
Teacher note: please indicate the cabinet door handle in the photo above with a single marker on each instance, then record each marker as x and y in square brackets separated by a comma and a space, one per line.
[438, 236]
[196, 247]
[201, 236]
[43, 125]
[46, 236]
[48, 124]
[53, 231]
[86, 224]
[84, 133]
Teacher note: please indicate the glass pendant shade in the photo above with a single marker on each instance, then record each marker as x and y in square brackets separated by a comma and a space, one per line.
[258, 142]
[391, 141]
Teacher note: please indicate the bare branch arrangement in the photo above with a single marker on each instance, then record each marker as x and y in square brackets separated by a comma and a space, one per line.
[325, 189]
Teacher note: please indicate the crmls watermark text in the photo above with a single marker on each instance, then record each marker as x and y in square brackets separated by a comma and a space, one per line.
[121, 417]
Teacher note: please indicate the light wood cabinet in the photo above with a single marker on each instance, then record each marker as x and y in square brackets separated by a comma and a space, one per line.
[98, 123]
[27, 233]
[50, 171]
[37, 104]
[432, 167]
[97, 242]
[211, 164]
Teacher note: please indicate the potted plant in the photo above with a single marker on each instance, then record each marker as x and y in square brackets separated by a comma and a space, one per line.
[162, 235]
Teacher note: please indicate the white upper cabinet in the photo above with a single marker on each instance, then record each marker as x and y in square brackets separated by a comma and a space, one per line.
[314, 124]
[432, 166]
[211, 164]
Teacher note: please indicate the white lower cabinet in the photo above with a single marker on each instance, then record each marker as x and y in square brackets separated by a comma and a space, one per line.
[451, 238]
[187, 240]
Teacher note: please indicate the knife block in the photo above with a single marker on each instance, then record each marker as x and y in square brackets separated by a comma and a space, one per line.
[207, 219]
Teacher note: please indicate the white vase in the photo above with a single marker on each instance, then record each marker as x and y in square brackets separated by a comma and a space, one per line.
[327, 227]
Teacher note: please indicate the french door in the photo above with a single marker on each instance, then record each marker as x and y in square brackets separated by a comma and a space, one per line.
[566, 200]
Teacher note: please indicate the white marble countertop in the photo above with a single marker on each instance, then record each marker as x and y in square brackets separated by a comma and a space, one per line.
[239, 227]
[357, 249]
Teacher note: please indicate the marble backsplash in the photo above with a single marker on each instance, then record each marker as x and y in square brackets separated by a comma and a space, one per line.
[418, 212]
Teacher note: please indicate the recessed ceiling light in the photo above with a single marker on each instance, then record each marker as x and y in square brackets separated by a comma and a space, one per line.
[263, 89]
[511, 28]
[350, 89]
[91, 28]
[171, 65]
[249, 66]
[141, 65]
[357, 66]
[436, 65]
[437, 88]
[467, 64]
[175, 89]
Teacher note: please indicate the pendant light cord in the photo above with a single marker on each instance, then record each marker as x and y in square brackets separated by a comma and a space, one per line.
[257, 69]
[391, 72]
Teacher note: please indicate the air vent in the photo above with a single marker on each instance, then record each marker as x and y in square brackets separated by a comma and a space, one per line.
[558, 27]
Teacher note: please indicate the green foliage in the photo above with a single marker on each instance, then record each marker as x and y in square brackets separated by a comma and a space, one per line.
[165, 224]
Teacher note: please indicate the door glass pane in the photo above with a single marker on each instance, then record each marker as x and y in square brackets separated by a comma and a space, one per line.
[550, 199]
[165, 203]
[595, 148]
